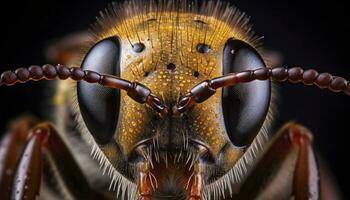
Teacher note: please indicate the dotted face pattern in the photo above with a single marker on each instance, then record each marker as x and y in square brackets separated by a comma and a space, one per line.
[170, 52]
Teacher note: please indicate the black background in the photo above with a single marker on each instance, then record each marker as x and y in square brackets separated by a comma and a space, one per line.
[308, 34]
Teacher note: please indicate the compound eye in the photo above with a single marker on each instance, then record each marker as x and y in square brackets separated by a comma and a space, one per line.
[99, 106]
[245, 106]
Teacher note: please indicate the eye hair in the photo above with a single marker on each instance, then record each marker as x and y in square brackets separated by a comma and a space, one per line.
[118, 183]
[237, 174]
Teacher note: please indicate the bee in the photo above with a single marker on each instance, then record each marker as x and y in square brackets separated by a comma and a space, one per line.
[171, 100]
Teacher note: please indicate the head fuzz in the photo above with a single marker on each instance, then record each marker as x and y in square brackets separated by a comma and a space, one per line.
[170, 47]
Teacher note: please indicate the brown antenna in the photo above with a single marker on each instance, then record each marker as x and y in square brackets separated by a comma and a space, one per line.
[198, 93]
[207, 88]
[136, 91]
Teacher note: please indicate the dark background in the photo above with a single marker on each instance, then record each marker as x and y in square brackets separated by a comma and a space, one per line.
[308, 34]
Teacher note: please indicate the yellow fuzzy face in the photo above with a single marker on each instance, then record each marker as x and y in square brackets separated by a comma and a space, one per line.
[179, 50]
[170, 50]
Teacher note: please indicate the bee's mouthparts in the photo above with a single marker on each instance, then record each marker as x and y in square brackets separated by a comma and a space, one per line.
[171, 174]
[172, 179]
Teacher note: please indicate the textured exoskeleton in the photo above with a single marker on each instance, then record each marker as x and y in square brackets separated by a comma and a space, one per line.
[171, 100]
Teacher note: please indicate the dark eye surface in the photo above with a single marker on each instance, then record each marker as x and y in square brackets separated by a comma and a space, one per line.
[245, 106]
[99, 106]
[203, 48]
[138, 47]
